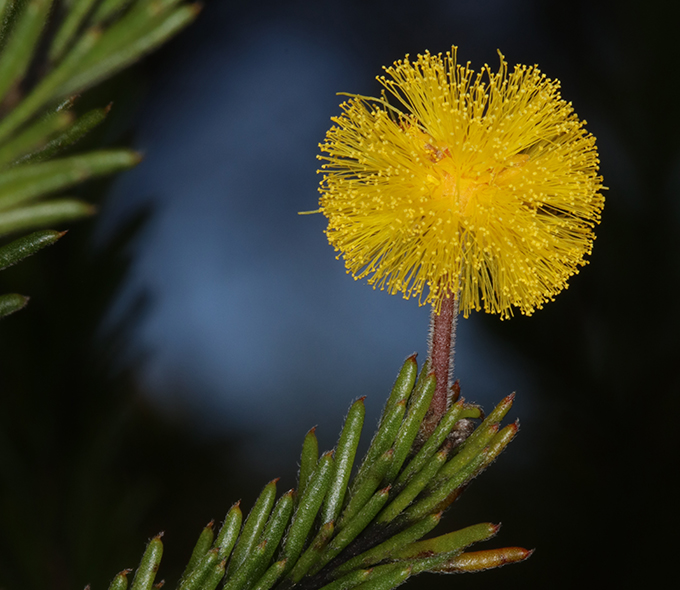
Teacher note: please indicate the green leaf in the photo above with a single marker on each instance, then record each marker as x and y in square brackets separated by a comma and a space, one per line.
[418, 406]
[201, 571]
[77, 11]
[449, 543]
[146, 572]
[8, 9]
[467, 453]
[75, 132]
[252, 529]
[353, 528]
[439, 494]
[120, 582]
[474, 444]
[27, 246]
[499, 411]
[387, 581]
[240, 577]
[311, 555]
[226, 539]
[35, 136]
[46, 90]
[11, 302]
[471, 411]
[276, 527]
[202, 546]
[214, 576]
[25, 183]
[344, 459]
[403, 385]
[142, 17]
[351, 580]
[382, 441]
[110, 63]
[271, 576]
[396, 542]
[411, 491]
[308, 460]
[390, 420]
[308, 509]
[108, 9]
[53, 212]
[440, 433]
[18, 52]
[499, 442]
[364, 492]
[477, 561]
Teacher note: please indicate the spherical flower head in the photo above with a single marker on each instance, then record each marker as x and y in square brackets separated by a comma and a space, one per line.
[483, 186]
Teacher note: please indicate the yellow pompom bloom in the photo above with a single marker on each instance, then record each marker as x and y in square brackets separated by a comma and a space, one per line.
[483, 185]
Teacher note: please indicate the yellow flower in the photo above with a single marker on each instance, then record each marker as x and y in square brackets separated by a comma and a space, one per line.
[483, 186]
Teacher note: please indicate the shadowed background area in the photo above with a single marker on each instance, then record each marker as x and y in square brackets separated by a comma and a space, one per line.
[212, 327]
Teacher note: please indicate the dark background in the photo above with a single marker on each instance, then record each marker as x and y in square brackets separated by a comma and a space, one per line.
[176, 349]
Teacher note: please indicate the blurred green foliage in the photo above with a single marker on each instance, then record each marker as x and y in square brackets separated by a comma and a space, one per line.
[50, 52]
[63, 479]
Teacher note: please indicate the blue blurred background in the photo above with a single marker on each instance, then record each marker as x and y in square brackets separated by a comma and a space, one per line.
[212, 325]
[254, 327]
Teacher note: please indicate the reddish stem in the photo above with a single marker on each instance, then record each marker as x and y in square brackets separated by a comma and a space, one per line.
[442, 339]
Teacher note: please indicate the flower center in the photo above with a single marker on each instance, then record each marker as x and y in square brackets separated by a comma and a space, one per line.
[460, 190]
[449, 183]
[466, 191]
[463, 189]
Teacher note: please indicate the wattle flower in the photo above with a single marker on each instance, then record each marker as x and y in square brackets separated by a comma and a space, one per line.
[483, 186]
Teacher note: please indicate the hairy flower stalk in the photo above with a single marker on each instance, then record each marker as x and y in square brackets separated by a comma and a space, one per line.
[441, 353]
[477, 187]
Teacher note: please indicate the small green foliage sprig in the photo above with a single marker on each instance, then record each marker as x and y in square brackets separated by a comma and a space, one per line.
[42, 70]
[331, 534]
